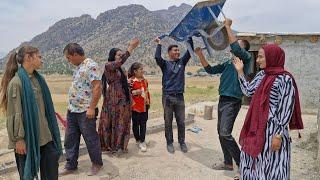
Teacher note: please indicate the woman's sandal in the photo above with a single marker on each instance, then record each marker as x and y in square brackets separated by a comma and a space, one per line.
[221, 166]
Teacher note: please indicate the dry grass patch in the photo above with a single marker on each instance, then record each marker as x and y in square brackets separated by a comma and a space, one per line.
[197, 89]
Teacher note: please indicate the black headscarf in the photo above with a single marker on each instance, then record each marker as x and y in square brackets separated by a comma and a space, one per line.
[124, 81]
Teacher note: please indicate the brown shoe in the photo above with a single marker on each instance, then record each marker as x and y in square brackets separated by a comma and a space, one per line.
[222, 166]
[65, 171]
[94, 169]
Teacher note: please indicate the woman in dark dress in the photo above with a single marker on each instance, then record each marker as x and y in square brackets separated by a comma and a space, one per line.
[115, 118]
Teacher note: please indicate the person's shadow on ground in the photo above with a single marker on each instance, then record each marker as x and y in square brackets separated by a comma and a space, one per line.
[133, 150]
[109, 171]
[207, 157]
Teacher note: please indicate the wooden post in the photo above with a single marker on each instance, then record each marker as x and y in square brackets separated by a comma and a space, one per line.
[318, 122]
[208, 112]
[318, 118]
[191, 116]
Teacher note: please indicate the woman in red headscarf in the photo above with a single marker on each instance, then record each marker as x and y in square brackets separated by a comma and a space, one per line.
[274, 109]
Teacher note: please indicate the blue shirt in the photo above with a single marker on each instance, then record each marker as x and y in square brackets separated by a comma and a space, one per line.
[173, 78]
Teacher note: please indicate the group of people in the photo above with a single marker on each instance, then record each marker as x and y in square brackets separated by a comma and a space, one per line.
[274, 109]
[34, 134]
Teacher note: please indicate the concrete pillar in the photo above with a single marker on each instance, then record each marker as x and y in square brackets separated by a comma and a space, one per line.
[208, 112]
[191, 116]
[318, 161]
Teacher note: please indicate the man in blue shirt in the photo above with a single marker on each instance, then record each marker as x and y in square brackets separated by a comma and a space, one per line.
[173, 81]
[230, 97]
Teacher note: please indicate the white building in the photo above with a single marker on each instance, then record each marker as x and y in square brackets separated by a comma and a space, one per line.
[302, 60]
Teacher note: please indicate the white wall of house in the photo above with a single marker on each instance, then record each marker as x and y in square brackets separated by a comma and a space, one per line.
[303, 60]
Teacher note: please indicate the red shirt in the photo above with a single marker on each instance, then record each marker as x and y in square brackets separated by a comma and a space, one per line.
[139, 101]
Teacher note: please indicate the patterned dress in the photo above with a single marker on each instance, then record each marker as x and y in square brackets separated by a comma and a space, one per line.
[115, 118]
[271, 165]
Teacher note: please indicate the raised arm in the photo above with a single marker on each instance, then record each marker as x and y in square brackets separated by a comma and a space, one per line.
[117, 64]
[240, 52]
[209, 69]
[186, 57]
[248, 89]
[158, 56]
[235, 47]
[227, 23]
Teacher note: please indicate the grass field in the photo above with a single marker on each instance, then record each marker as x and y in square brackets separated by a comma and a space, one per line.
[197, 89]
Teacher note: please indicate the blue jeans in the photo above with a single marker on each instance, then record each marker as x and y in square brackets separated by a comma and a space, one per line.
[79, 124]
[174, 104]
[49, 162]
[228, 109]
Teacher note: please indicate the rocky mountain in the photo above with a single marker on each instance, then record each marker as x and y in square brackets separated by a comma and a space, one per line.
[2, 54]
[113, 28]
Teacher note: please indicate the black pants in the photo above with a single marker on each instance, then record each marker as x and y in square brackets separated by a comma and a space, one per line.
[174, 104]
[228, 109]
[49, 164]
[79, 124]
[139, 125]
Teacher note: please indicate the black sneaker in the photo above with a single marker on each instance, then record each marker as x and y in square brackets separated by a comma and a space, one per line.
[170, 148]
[184, 147]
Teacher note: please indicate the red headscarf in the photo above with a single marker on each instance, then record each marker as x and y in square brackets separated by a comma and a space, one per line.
[252, 136]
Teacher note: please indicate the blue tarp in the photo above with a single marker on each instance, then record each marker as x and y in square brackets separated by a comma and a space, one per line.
[199, 17]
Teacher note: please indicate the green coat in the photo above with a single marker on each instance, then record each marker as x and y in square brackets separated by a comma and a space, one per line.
[229, 83]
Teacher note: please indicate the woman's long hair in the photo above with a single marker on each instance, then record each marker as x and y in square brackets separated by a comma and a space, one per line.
[11, 68]
[124, 81]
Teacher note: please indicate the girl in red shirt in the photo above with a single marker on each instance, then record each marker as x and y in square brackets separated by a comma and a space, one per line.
[140, 103]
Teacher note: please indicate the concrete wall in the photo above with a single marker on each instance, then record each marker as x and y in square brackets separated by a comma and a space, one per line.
[303, 61]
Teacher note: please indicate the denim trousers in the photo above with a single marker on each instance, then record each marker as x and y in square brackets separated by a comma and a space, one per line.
[173, 104]
[79, 124]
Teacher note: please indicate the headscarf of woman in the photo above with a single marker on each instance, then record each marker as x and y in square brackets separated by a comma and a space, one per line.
[124, 81]
[252, 136]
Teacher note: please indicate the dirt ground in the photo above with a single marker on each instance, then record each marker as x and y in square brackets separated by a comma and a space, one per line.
[204, 150]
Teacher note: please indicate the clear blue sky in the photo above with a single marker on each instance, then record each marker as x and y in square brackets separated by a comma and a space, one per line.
[20, 20]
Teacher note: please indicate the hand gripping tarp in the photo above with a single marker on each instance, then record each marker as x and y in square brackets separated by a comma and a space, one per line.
[202, 21]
